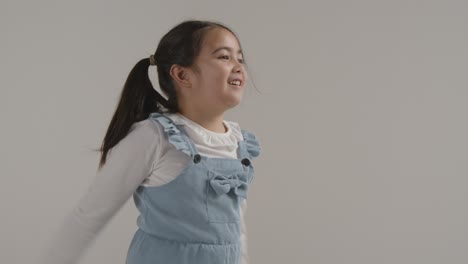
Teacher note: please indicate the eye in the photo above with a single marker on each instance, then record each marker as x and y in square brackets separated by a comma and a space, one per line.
[226, 56]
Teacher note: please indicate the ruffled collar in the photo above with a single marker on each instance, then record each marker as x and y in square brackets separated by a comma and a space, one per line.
[207, 137]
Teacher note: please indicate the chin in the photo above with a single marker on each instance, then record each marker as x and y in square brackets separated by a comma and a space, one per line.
[234, 103]
[231, 99]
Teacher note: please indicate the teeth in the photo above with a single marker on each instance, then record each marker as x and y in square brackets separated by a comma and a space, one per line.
[235, 82]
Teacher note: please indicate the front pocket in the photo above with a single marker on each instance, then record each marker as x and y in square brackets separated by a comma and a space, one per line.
[223, 193]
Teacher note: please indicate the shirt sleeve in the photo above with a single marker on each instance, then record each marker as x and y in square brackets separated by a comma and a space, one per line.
[128, 164]
[244, 251]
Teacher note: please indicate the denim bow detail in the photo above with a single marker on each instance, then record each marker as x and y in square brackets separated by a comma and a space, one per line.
[224, 183]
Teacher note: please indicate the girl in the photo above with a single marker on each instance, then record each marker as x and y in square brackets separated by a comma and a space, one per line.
[187, 168]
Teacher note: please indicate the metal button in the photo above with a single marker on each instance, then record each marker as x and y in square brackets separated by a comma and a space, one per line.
[196, 158]
[245, 162]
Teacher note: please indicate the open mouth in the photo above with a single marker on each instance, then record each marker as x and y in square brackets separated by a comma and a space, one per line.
[235, 83]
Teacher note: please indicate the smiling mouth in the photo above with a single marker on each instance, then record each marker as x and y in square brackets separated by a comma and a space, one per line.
[235, 83]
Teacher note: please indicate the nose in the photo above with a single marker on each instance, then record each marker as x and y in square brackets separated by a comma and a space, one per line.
[238, 66]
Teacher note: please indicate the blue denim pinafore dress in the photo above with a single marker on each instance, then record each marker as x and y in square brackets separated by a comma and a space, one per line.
[195, 218]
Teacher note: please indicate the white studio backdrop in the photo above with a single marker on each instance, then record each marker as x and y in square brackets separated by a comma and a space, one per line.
[360, 107]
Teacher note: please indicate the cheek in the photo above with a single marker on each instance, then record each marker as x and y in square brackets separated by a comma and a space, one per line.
[216, 83]
[214, 80]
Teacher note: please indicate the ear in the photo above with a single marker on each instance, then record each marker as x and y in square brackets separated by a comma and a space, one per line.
[181, 75]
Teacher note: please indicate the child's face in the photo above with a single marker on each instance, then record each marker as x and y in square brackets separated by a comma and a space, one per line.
[211, 90]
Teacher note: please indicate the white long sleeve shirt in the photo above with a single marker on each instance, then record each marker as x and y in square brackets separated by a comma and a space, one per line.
[143, 157]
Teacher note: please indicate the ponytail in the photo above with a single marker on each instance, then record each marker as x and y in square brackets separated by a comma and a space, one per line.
[137, 100]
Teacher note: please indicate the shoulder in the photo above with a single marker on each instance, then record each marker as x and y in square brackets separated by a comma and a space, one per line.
[145, 130]
[147, 133]
[250, 139]
[148, 138]
[142, 136]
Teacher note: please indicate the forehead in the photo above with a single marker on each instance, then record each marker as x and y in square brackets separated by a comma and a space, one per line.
[217, 38]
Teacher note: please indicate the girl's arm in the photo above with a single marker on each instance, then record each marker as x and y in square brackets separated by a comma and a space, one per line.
[128, 164]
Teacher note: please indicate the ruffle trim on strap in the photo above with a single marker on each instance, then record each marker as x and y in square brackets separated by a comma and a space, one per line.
[173, 133]
[252, 144]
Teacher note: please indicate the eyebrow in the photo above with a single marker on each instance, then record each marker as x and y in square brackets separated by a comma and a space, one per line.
[226, 48]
